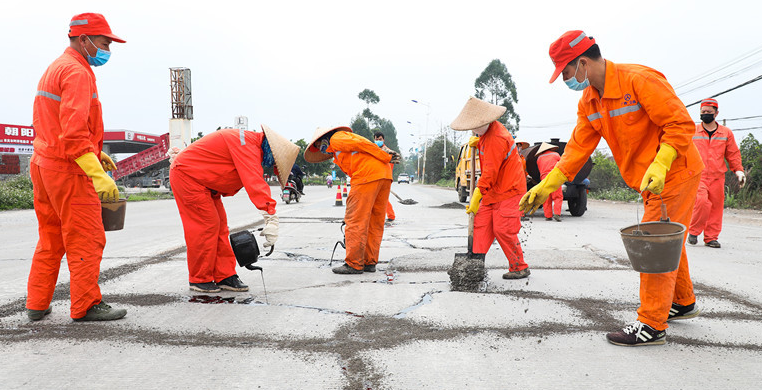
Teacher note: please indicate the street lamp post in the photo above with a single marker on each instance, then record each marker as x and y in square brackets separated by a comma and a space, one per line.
[428, 111]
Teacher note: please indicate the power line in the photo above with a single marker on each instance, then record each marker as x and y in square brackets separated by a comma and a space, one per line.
[728, 90]
[717, 80]
[719, 68]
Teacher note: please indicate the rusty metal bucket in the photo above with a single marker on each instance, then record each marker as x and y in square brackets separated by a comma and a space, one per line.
[112, 215]
[654, 247]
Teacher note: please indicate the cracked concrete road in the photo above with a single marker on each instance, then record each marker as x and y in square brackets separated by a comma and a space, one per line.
[399, 328]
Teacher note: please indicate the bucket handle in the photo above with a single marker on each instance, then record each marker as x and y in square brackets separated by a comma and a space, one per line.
[664, 217]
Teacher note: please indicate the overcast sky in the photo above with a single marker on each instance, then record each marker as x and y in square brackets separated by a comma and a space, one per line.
[296, 65]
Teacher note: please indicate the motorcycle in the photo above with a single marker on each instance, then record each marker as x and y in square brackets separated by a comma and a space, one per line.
[329, 182]
[290, 192]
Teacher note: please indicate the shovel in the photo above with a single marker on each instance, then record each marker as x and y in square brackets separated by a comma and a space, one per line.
[467, 271]
[403, 201]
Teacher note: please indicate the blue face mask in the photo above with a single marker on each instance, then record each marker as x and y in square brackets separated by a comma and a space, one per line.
[575, 85]
[380, 143]
[101, 56]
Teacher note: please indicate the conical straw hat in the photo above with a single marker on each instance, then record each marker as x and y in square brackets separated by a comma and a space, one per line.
[476, 113]
[545, 147]
[284, 153]
[522, 144]
[312, 154]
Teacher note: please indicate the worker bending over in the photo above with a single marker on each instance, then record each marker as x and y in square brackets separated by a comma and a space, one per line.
[67, 170]
[495, 201]
[368, 167]
[220, 164]
[650, 134]
[547, 157]
[715, 144]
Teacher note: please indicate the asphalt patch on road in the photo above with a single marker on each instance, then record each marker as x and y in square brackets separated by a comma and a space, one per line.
[453, 205]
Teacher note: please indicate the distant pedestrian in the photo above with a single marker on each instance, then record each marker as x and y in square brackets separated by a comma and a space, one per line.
[716, 145]
[495, 201]
[547, 157]
[68, 170]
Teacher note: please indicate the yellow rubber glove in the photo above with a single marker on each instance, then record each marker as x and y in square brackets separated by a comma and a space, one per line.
[104, 185]
[535, 197]
[656, 173]
[476, 198]
[107, 163]
[473, 142]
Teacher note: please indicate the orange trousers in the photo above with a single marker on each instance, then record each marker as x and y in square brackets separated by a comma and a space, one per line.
[366, 208]
[707, 212]
[552, 206]
[501, 220]
[69, 222]
[390, 211]
[659, 291]
[205, 224]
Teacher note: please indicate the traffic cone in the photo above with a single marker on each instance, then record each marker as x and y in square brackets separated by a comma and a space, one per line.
[345, 191]
[339, 201]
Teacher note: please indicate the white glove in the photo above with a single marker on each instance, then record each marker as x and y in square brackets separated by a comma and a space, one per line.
[741, 178]
[270, 231]
[172, 153]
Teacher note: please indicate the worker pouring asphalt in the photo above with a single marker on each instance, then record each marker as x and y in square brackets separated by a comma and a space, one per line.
[495, 200]
[68, 170]
[650, 134]
[368, 167]
[220, 164]
[715, 144]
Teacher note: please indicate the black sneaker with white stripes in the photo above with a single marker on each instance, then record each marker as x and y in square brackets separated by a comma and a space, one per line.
[680, 312]
[637, 334]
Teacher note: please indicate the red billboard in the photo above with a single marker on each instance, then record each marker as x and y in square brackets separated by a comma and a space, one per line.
[16, 135]
[127, 135]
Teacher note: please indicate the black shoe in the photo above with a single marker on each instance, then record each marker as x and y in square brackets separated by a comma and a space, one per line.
[557, 218]
[102, 312]
[209, 287]
[346, 270]
[548, 218]
[713, 244]
[369, 268]
[517, 274]
[680, 312]
[692, 239]
[637, 334]
[232, 283]
[36, 315]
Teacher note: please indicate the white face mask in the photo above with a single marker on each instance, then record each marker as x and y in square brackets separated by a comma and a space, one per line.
[480, 131]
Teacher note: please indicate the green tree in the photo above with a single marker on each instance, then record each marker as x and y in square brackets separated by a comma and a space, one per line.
[360, 127]
[496, 86]
[320, 169]
[436, 168]
[369, 97]
[200, 134]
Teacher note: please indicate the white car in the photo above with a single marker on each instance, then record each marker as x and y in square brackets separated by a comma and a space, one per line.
[403, 178]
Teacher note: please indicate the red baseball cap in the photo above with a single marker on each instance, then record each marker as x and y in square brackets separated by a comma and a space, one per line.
[91, 24]
[565, 49]
[710, 102]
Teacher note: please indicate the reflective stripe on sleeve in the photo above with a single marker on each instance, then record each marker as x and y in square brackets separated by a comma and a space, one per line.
[624, 110]
[241, 135]
[95, 95]
[49, 95]
[594, 116]
[510, 152]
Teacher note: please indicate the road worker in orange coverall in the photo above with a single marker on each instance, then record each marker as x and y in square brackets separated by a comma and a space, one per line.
[368, 167]
[715, 144]
[650, 135]
[220, 164]
[67, 170]
[378, 138]
[547, 157]
[495, 200]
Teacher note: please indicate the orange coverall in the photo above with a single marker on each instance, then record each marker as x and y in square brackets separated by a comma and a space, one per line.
[637, 112]
[502, 185]
[389, 210]
[710, 200]
[371, 174]
[546, 162]
[216, 165]
[69, 124]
